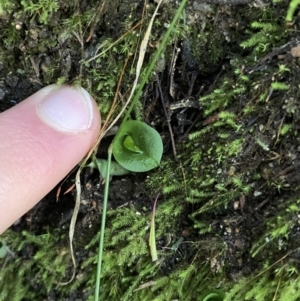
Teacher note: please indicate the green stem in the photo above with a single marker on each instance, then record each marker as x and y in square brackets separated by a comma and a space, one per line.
[155, 58]
[101, 242]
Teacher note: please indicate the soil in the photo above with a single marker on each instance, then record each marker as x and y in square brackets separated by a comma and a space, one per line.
[169, 102]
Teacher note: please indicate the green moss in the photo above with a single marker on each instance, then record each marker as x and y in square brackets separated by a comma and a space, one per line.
[43, 9]
[42, 258]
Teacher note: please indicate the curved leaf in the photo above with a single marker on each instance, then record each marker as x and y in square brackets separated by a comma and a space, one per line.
[130, 145]
[137, 146]
[3, 249]
[115, 168]
[214, 296]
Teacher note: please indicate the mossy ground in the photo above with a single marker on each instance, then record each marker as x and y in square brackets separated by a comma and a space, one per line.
[228, 215]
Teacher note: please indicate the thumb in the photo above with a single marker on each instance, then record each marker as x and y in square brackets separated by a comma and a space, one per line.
[41, 140]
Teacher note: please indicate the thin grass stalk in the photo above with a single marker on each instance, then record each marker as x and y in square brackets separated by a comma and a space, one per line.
[154, 60]
[104, 210]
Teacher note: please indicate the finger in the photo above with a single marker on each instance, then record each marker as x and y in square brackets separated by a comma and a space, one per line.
[41, 140]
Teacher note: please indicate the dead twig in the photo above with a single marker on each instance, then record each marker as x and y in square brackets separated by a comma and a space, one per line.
[269, 56]
[288, 169]
[95, 19]
[167, 118]
[264, 202]
[112, 44]
[176, 51]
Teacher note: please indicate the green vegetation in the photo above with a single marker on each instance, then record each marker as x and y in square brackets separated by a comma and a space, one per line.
[137, 146]
[44, 256]
[227, 216]
[43, 9]
[291, 9]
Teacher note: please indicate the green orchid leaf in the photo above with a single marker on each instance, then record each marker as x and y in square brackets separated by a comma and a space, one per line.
[3, 249]
[152, 242]
[137, 146]
[214, 296]
[115, 168]
[129, 144]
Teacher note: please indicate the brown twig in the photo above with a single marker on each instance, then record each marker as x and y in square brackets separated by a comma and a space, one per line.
[270, 55]
[192, 82]
[288, 169]
[167, 117]
[190, 128]
[176, 51]
[96, 19]
[113, 44]
[264, 202]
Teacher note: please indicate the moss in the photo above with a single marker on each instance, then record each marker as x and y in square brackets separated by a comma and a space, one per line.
[39, 257]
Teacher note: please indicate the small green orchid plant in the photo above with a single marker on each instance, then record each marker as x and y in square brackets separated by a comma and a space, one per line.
[137, 148]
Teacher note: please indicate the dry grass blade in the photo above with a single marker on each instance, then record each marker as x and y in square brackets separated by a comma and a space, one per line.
[95, 19]
[145, 285]
[112, 44]
[102, 133]
[143, 49]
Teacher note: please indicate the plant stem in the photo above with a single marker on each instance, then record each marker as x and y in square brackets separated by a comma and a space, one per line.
[155, 58]
[101, 241]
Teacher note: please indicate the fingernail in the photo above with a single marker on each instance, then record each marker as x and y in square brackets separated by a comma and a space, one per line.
[66, 109]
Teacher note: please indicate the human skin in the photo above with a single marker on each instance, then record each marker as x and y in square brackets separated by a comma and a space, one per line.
[41, 141]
